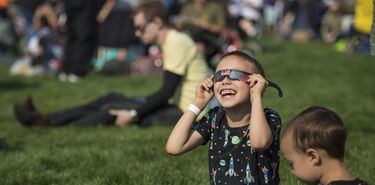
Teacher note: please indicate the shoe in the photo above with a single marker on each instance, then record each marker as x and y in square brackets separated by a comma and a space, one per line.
[63, 77]
[28, 116]
[72, 78]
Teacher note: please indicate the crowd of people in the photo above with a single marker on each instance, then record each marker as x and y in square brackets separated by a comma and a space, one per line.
[243, 136]
[183, 68]
[71, 38]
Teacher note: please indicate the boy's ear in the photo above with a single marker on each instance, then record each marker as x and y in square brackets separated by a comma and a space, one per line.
[313, 156]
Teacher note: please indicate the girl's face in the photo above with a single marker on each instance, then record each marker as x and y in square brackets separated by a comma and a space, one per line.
[300, 163]
[233, 93]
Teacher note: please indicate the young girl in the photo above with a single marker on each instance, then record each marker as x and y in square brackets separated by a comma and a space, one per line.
[244, 137]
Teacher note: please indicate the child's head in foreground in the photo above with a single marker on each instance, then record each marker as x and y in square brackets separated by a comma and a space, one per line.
[311, 141]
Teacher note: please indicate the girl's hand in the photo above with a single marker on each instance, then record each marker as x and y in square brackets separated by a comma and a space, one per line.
[258, 85]
[123, 117]
[204, 92]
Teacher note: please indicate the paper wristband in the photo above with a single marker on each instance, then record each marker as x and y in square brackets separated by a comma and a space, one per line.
[133, 112]
[193, 108]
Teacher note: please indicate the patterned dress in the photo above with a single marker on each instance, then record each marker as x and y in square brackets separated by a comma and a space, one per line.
[231, 158]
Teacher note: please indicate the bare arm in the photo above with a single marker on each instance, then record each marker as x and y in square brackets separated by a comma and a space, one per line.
[183, 139]
[47, 11]
[260, 133]
[286, 23]
[105, 10]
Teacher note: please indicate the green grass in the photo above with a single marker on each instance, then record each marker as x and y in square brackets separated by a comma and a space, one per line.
[310, 74]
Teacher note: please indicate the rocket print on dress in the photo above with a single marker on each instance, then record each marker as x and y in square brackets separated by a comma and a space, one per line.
[213, 126]
[274, 168]
[249, 179]
[226, 137]
[231, 171]
[232, 161]
[265, 173]
[213, 122]
[214, 176]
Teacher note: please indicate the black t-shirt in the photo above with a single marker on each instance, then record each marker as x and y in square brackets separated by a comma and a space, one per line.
[231, 158]
[356, 181]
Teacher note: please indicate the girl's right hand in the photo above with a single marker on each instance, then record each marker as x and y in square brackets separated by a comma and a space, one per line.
[204, 92]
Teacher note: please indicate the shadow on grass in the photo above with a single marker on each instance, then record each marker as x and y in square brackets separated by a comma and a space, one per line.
[7, 85]
[6, 147]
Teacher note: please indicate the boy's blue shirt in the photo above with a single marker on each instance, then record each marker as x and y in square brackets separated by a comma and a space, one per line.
[231, 159]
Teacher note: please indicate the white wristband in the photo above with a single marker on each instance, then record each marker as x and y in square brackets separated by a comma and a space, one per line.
[193, 108]
[133, 112]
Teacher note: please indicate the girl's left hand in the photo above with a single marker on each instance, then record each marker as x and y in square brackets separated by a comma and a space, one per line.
[258, 84]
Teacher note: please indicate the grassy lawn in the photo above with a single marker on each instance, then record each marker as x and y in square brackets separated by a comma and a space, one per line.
[310, 74]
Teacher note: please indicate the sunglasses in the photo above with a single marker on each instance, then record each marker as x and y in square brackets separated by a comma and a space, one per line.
[231, 74]
[142, 28]
[242, 76]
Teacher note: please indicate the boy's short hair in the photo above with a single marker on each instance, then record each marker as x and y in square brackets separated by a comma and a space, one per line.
[247, 57]
[152, 9]
[318, 127]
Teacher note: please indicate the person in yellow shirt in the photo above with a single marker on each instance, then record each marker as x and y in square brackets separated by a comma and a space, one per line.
[363, 16]
[183, 68]
[359, 37]
[372, 42]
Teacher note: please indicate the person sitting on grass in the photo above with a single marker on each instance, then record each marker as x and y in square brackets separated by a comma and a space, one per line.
[313, 143]
[183, 69]
[244, 137]
[204, 20]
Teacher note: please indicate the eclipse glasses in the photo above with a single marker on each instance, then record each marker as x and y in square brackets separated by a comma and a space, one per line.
[233, 74]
